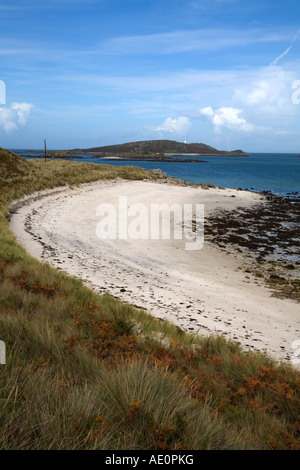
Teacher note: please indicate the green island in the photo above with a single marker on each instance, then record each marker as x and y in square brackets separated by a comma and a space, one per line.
[86, 371]
[148, 150]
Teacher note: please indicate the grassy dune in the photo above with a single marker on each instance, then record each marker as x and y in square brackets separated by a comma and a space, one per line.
[85, 371]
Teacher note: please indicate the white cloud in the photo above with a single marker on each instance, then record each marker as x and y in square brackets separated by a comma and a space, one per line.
[22, 110]
[178, 126]
[267, 93]
[14, 116]
[226, 117]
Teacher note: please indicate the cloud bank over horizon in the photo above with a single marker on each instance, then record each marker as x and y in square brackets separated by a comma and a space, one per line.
[226, 117]
[177, 126]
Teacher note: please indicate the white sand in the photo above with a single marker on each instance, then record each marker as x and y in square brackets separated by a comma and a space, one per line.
[200, 291]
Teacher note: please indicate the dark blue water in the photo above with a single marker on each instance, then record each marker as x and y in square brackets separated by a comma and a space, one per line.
[278, 173]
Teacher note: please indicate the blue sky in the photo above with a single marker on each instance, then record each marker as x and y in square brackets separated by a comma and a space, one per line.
[84, 73]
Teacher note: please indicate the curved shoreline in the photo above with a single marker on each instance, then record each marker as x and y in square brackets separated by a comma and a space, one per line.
[201, 292]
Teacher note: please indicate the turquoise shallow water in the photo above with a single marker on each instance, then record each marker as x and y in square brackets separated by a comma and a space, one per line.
[278, 173]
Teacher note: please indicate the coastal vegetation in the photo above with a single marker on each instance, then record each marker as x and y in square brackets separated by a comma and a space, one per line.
[87, 371]
[162, 147]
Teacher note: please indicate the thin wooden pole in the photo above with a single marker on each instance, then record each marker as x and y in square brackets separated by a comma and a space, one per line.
[45, 145]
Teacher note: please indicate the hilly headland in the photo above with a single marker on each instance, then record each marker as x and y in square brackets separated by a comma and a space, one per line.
[147, 150]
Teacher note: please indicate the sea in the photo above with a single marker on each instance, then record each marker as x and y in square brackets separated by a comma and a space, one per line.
[278, 173]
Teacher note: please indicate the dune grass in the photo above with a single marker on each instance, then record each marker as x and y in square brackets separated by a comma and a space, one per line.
[86, 371]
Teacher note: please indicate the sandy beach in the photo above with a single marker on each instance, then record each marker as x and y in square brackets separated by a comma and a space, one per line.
[202, 291]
